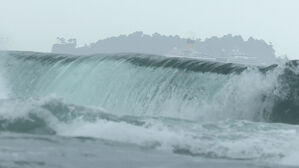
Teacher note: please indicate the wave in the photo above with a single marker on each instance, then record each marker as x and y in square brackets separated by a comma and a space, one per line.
[229, 139]
[41, 116]
[149, 85]
[184, 105]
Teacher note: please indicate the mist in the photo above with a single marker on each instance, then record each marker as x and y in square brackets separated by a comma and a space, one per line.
[149, 83]
[34, 25]
[3, 43]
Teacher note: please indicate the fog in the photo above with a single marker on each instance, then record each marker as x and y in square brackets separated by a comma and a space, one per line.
[4, 43]
[34, 25]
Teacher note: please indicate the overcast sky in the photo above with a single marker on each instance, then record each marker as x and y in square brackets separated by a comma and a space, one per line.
[35, 24]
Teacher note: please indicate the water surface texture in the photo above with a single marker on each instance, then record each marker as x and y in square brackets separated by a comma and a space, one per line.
[137, 110]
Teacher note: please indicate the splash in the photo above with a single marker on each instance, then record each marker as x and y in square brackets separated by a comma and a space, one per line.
[185, 106]
[147, 85]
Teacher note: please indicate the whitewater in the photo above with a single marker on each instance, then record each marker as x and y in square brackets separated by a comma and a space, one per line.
[141, 110]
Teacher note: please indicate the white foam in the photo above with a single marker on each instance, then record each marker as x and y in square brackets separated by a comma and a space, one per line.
[292, 154]
[232, 139]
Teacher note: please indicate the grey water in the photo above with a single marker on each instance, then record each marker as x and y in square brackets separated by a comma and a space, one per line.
[138, 110]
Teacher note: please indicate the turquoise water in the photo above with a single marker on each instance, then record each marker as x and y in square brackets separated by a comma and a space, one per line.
[136, 110]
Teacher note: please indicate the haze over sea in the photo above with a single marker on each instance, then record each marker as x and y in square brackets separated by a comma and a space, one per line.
[149, 84]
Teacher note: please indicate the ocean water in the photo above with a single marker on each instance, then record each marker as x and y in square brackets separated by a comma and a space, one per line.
[138, 110]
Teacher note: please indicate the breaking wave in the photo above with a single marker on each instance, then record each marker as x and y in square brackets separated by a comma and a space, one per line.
[226, 139]
[188, 106]
[148, 85]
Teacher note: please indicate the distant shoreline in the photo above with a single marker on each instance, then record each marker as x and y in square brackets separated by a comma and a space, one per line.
[228, 47]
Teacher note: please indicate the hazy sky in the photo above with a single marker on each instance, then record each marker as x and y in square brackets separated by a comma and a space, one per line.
[35, 24]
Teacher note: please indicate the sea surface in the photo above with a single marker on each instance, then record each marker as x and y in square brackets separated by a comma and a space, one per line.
[146, 111]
